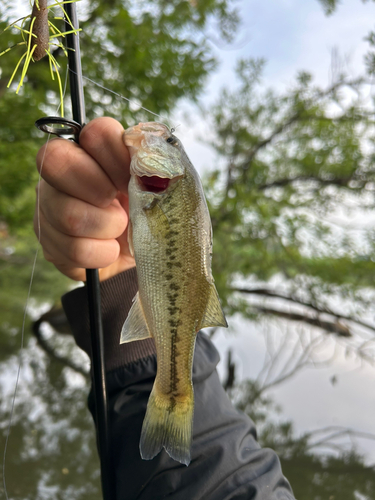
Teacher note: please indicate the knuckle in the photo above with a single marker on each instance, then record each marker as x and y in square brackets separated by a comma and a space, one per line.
[78, 251]
[47, 154]
[103, 198]
[92, 254]
[73, 220]
[95, 133]
[114, 252]
[55, 158]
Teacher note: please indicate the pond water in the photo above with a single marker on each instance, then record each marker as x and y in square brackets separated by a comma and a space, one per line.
[52, 444]
[339, 394]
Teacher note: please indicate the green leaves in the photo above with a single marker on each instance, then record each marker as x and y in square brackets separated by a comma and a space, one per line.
[329, 6]
[152, 53]
[298, 164]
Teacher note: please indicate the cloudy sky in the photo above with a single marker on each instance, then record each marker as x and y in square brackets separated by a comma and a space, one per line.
[291, 35]
[295, 35]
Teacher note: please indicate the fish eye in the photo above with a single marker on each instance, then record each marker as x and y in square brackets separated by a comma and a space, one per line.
[171, 140]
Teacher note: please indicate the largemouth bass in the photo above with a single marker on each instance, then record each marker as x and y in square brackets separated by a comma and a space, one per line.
[170, 237]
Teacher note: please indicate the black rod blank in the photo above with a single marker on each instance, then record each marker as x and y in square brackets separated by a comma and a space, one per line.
[92, 279]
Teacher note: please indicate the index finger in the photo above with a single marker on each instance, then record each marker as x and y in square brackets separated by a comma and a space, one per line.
[70, 169]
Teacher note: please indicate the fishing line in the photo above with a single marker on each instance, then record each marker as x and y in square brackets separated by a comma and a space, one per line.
[27, 302]
[122, 97]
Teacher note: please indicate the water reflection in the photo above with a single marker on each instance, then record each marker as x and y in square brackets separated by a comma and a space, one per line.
[52, 450]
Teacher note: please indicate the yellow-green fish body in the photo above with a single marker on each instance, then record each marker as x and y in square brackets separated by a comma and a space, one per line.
[170, 235]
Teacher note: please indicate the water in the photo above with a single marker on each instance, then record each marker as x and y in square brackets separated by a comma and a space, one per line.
[52, 444]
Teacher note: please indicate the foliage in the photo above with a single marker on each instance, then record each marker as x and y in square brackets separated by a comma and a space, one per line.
[151, 53]
[295, 166]
[154, 54]
[330, 6]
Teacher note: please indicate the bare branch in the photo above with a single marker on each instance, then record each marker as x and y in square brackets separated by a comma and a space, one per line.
[301, 362]
[336, 328]
[344, 181]
[274, 294]
[303, 350]
[334, 433]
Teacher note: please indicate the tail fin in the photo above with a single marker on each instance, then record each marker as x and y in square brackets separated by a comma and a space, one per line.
[169, 423]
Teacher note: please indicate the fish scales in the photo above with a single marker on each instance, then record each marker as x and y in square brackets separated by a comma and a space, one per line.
[170, 235]
[172, 249]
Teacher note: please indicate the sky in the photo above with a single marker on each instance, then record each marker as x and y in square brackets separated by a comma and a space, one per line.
[294, 35]
[291, 35]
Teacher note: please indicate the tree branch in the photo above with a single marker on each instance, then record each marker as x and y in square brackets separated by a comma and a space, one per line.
[331, 327]
[269, 139]
[294, 363]
[334, 432]
[344, 181]
[273, 294]
[278, 130]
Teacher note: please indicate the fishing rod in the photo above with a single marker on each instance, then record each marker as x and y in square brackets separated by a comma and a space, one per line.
[61, 127]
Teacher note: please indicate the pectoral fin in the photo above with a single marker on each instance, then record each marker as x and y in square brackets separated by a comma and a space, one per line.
[130, 238]
[213, 315]
[135, 326]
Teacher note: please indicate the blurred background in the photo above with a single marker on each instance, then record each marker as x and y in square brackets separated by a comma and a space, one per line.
[274, 103]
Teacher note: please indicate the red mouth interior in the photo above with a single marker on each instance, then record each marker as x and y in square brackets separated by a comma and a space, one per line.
[154, 184]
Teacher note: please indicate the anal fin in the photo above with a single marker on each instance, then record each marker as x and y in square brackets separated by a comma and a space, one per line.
[135, 326]
[213, 315]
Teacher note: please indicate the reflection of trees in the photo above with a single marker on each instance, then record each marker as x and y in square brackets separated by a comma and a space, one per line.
[51, 450]
[319, 463]
[57, 319]
[291, 348]
[340, 475]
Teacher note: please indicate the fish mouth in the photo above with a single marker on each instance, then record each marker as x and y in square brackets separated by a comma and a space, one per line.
[153, 184]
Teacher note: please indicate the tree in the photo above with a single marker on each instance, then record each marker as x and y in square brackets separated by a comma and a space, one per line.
[331, 5]
[151, 53]
[293, 167]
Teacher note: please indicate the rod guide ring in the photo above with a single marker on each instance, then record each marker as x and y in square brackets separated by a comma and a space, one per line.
[59, 126]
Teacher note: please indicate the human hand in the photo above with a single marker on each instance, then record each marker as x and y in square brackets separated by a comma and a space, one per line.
[82, 210]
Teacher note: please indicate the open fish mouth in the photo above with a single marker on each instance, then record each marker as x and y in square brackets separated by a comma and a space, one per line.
[155, 156]
[153, 184]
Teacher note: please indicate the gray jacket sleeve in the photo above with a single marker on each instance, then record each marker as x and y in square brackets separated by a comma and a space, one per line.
[227, 462]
